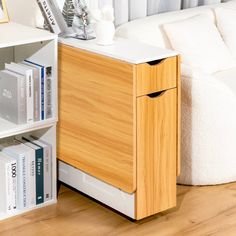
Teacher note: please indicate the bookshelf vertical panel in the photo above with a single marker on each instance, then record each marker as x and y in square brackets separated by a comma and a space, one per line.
[6, 56]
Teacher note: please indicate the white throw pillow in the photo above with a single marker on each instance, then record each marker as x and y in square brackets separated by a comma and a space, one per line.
[231, 4]
[226, 23]
[200, 44]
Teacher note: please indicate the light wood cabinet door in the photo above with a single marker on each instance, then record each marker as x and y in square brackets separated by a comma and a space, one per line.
[156, 152]
[97, 117]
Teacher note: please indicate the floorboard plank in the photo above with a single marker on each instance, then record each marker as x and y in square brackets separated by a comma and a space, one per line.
[200, 211]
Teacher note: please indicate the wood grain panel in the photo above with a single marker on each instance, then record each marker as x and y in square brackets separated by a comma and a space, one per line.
[97, 122]
[159, 77]
[75, 214]
[156, 153]
[178, 164]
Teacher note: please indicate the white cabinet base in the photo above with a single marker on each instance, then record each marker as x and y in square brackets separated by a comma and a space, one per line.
[105, 193]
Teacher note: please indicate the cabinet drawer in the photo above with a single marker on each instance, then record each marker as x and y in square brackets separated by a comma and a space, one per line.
[156, 76]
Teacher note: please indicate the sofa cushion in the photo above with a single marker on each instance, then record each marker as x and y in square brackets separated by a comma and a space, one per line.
[226, 23]
[227, 78]
[149, 29]
[230, 4]
[200, 44]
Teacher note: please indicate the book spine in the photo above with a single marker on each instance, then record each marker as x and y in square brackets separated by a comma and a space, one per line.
[49, 17]
[32, 180]
[21, 182]
[41, 89]
[42, 94]
[29, 94]
[9, 188]
[44, 15]
[39, 177]
[24, 182]
[47, 174]
[59, 16]
[22, 102]
[14, 184]
[36, 81]
[48, 93]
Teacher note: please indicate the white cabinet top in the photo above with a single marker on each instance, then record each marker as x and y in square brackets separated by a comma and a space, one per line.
[123, 49]
[13, 34]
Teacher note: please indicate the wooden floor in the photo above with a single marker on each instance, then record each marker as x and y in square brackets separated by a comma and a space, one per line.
[200, 211]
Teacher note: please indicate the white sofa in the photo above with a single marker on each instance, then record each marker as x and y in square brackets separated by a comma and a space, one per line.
[208, 97]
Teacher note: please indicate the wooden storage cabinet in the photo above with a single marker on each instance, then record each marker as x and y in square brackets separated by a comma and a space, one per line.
[119, 123]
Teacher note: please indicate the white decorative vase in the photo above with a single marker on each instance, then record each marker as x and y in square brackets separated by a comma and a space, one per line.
[105, 31]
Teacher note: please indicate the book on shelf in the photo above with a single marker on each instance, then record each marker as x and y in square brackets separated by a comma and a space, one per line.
[28, 73]
[25, 173]
[37, 89]
[39, 164]
[42, 86]
[26, 92]
[47, 153]
[53, 16]
[46, 89]
[24, 156]
[12, 97]
[8, 185]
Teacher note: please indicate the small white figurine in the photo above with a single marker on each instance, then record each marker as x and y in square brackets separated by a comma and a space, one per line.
[104, 27]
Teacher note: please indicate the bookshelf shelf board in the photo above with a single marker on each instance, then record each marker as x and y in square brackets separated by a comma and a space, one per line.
[8, 129]
[16, 34]
[4, 216]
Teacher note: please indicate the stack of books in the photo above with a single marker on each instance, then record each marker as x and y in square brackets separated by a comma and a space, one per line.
[25, 92]
[25, 174]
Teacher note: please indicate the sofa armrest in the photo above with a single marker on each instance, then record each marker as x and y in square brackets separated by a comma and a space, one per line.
[188, 71]
[200, 90]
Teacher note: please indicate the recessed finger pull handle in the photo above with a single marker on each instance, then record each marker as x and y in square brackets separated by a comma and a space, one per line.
[154, 63]
[157, 94]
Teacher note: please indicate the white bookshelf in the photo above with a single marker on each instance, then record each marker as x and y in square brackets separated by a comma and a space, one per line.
[18, 42]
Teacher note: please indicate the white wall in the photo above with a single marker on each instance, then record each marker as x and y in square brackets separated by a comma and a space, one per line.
[25, 11]
[22, 11]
